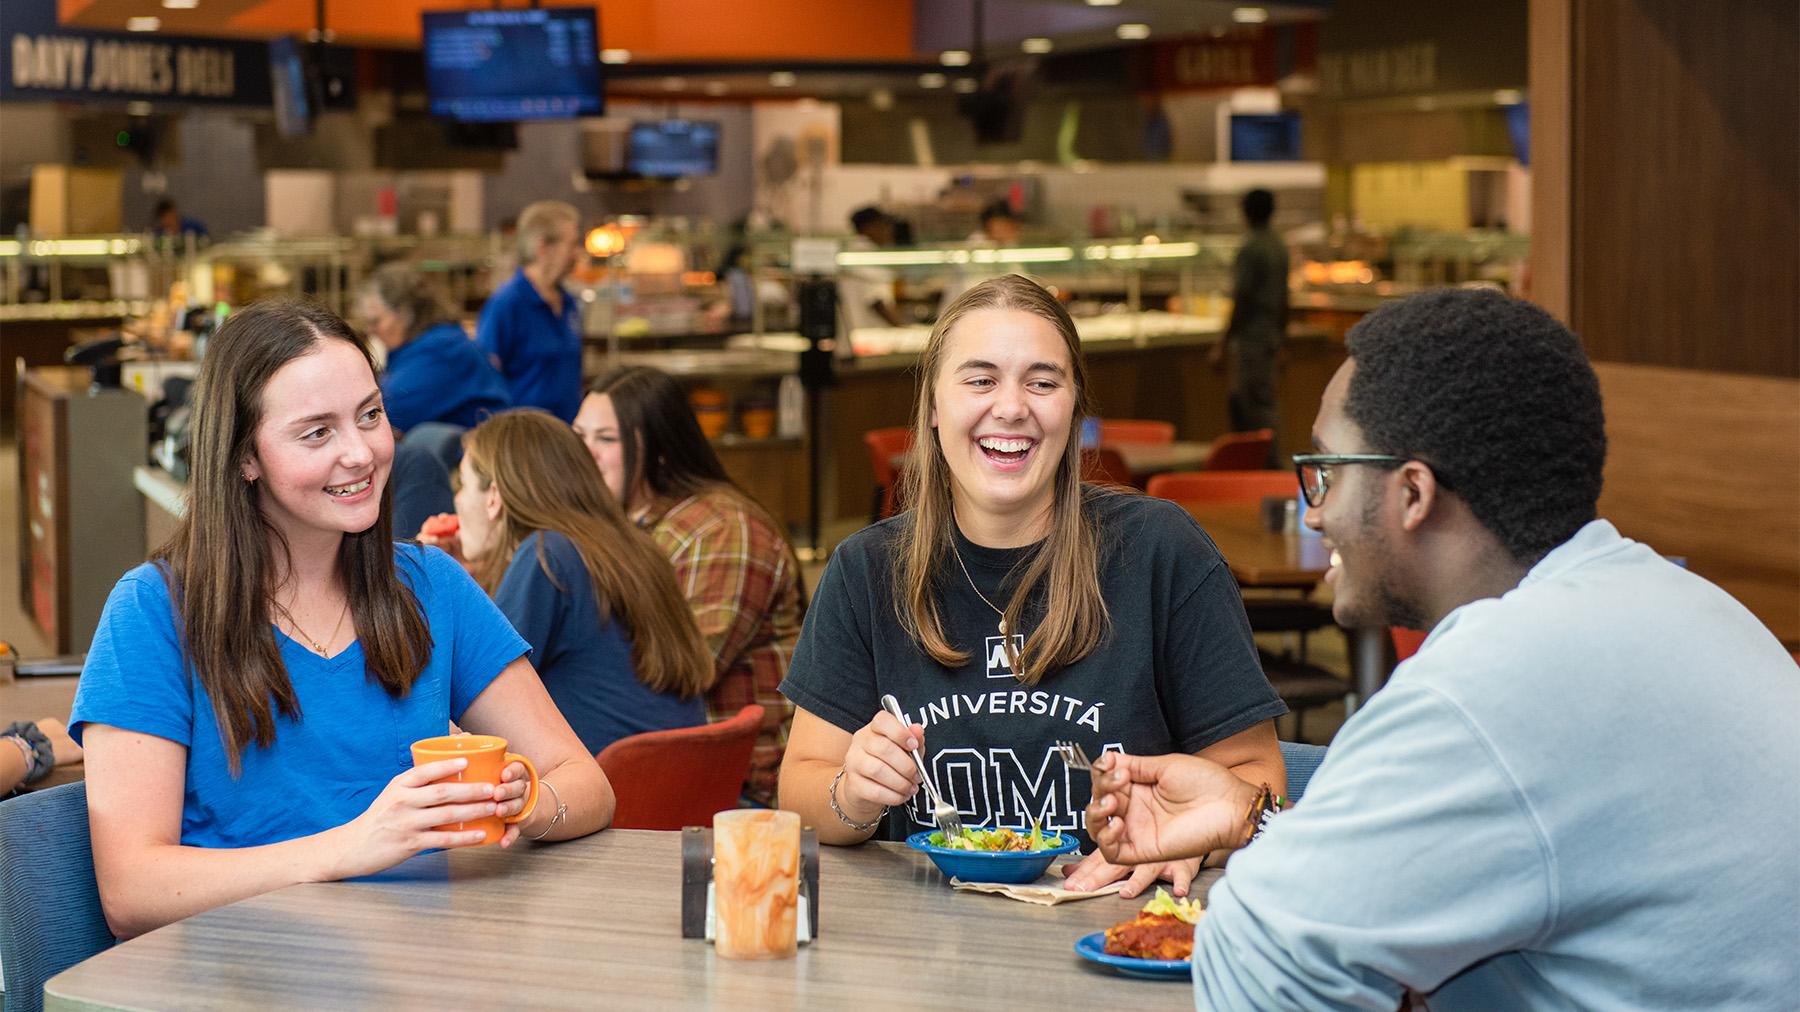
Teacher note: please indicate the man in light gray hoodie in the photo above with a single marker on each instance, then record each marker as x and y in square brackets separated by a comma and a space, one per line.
[1582, 792]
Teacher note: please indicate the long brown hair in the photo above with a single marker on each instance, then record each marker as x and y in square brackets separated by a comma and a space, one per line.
[548, 482]
[220, 564]
[1066, 563]
[657, 425]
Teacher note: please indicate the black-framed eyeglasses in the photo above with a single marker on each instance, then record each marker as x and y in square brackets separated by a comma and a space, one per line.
[1314, 470]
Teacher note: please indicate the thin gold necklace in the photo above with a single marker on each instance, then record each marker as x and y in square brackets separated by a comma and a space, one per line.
[317, 647]
[977, 590]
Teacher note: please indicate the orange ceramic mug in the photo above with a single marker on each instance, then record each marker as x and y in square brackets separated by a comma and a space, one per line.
[487, 756]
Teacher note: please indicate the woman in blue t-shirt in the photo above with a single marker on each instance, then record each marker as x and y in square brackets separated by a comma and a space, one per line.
[1010, 609]
[252, 692]
[611, 635]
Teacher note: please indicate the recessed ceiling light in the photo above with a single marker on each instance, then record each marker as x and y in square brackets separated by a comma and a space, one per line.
[615, 56]
[1103, 3]
[1037, 45]
[673, 84]
[782, 79]
[180, 5]
[954, 58]
[1508, 96]
[716, 88]
[965, 85]
[1249, 15]
[143, 24]
[932, 80]
[1134, 31]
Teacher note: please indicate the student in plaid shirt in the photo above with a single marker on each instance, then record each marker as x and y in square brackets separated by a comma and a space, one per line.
[738, 573]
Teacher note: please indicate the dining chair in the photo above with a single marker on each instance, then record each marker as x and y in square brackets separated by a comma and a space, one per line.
[1103, 465]
[671, 779]
[1241, 451]
[1406, 642]
[50, 915]
[1135, 430]
[1246, 486]
[884, 445]
[1302, 762]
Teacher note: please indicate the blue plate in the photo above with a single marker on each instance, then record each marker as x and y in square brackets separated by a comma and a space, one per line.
[1093, 947]
[1012, 867]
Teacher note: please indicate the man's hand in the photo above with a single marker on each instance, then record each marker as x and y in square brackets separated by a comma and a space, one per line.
[1159, 808]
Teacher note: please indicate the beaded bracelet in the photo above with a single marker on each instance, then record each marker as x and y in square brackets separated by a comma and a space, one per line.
[860, 827]
[1263, 809]
[561, 810]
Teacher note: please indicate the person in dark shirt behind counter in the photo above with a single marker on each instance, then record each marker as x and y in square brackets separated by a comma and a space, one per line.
[1259, 310]
[531, 327]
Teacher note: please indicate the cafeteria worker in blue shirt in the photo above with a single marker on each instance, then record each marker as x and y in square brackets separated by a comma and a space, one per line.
[252, 692]
[531, 327]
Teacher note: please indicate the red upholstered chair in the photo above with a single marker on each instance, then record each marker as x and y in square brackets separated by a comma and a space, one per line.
[1406, 642]
[1223, 486]
[1104, 466]
[1135, 430]
[671, 779]
[1241, 451]
[884, 445]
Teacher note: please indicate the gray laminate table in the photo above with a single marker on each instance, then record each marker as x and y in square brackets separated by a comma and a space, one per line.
[595, 923]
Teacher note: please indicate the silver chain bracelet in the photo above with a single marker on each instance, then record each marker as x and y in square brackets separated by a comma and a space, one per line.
[561, 809]
[860, 827]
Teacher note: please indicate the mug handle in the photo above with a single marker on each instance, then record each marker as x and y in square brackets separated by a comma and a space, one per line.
[530, 798]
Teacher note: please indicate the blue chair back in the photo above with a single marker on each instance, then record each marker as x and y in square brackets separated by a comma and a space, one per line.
[1302, 762]
[50, 916]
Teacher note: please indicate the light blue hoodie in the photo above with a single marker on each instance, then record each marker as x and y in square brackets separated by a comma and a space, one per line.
[1584, 794]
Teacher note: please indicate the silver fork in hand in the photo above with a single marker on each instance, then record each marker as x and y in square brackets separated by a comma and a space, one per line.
[1073, 755]
[943, 814]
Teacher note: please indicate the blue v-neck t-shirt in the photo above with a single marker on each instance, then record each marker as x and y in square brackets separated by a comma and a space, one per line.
[352, 737]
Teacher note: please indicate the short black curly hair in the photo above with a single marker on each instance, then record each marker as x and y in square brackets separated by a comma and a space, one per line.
[1498, 397]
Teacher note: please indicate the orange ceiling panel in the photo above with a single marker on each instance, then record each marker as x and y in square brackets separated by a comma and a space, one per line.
[651, 29]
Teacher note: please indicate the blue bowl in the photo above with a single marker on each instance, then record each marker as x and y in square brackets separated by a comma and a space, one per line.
[1011, 867]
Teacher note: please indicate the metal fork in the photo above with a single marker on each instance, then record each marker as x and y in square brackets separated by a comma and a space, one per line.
[1073, 755]
[943, 814]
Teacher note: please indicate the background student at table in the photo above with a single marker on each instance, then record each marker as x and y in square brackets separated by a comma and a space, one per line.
[251, 693]
[1012, 607]
[1581, 792]
[732, 563]
[531, 327]
[610, 634]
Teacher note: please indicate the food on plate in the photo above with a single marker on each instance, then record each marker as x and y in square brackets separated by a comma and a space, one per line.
[442, 525]
[1164, 929]
[996, 840]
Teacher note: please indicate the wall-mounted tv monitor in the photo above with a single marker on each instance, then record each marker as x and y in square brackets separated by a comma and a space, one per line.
[501, 65]
[673, 147]
[1265, 137]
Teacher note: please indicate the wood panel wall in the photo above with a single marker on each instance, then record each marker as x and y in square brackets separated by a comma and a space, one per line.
[1685, 189]
[1666, 232]
[1707, 466]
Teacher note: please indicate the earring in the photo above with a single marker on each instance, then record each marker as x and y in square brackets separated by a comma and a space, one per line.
[249, 477]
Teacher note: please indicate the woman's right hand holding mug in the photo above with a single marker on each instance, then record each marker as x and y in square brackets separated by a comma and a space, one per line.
[398, 823]
[879, 771]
